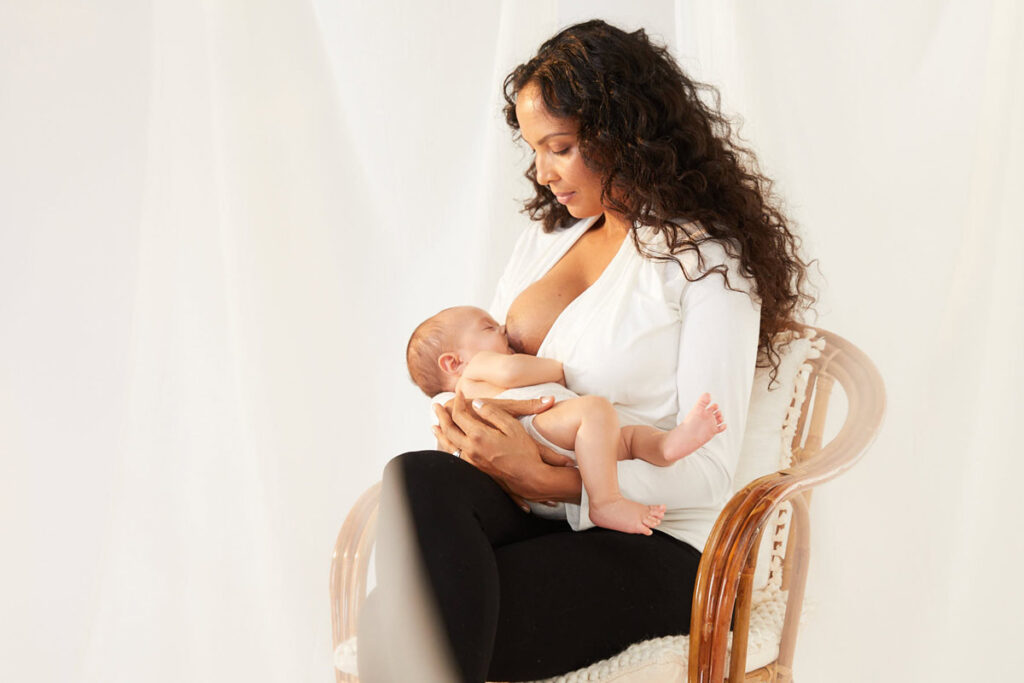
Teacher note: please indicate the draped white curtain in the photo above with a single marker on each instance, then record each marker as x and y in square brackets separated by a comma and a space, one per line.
[220, 220]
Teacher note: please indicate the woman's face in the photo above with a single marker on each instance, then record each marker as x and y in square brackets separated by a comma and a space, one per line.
[560, 166]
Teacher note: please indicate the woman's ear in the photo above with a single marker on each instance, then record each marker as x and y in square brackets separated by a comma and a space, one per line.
[450, 363]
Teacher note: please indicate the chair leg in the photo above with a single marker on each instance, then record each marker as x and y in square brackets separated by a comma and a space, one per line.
[783, 674]
[798, 583]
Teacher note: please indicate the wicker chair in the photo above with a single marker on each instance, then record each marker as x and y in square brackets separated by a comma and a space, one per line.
[777, 502]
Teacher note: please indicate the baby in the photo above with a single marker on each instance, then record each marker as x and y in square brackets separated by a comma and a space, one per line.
[464, 349]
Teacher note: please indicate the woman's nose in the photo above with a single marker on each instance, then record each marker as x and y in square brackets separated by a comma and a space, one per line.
[545, 174]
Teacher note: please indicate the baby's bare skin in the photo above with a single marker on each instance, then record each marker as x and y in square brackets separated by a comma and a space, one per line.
[622, 514]
[699, 426]
[483, 365]
[588, 425]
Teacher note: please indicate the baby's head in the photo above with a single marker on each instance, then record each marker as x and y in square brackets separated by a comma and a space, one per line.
[443, 344]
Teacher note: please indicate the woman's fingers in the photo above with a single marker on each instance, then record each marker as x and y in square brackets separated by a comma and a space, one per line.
[494, 442]
[445, 422]
[521, 502]
[447, 432]
[518, 407]
[467, 420]
[503, 413]
[443, 444]
[554, 459]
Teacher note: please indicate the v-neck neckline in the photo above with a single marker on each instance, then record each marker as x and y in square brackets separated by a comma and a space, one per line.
[593, 286]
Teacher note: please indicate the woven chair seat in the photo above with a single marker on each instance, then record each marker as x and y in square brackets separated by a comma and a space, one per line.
[665, 660]
[659, 660]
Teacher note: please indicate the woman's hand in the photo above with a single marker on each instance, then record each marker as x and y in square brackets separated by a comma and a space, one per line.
[492, 439]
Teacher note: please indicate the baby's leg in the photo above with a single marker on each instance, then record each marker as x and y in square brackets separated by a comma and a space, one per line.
[592, 423]
[664, 448]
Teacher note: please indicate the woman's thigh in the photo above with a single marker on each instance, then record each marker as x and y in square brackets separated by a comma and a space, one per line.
[452, 505]
[440, 520]
[522, 597]
[570, 599]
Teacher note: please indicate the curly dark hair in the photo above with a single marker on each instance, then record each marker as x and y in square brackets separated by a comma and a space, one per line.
[668, 160]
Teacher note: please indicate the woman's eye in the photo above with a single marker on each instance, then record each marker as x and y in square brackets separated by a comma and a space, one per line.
[560, 152]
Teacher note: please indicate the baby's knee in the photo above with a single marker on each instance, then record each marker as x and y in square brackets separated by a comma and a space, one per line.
[597, 407]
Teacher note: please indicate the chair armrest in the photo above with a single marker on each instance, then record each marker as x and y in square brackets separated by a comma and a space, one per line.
[349, 564]
[733, 541]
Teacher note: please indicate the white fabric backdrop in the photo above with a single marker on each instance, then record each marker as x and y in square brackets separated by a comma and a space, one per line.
[220, 220]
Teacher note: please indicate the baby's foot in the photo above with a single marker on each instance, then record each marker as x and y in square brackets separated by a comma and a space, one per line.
[700, 424]
[625, 515]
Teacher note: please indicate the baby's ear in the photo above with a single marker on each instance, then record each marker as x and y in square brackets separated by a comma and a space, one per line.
[450, 363]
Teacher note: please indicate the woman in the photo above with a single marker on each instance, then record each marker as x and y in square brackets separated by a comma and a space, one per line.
[658, 270]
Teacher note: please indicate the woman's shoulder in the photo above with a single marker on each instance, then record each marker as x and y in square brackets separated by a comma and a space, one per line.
[692, 254]
[692, 246]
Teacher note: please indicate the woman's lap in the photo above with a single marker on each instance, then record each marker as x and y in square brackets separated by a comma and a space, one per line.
[522, 597]
[570, 599]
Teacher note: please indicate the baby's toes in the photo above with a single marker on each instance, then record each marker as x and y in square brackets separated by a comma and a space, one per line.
[656, 510]
[650, 521]
[720, 427]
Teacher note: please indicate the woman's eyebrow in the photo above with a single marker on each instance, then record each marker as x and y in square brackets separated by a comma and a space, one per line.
[552, 135]
[549, 135]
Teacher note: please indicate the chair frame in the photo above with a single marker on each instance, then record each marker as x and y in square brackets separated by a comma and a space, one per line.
[724, 587]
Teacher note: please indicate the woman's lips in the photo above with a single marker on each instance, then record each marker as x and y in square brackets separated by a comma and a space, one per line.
[564, 197]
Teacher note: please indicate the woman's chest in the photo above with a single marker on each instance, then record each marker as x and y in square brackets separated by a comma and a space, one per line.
[620, 338]
[534, 311]
[624, 346]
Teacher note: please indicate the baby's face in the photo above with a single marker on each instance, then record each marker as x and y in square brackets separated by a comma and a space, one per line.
[480, 332]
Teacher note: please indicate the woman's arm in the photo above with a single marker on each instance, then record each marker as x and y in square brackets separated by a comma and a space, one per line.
[492, 439]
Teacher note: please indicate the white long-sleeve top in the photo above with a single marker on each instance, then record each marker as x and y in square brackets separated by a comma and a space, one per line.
[652, 342]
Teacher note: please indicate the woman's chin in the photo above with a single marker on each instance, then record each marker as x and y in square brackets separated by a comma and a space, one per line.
[581, 212]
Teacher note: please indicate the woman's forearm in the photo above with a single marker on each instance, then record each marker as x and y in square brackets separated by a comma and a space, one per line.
[546, 482]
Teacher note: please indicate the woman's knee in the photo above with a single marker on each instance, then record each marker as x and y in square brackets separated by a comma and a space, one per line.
[430, 474]
[409, 464]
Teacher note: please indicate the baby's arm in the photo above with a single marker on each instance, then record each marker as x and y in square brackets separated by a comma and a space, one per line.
[512, 370]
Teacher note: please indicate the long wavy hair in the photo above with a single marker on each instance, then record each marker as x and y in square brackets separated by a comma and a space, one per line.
[668, 160]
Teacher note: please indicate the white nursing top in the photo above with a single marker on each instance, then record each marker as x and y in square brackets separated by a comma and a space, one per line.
[652, 342]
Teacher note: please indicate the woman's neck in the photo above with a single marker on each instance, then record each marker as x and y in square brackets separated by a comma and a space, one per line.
[611, 225]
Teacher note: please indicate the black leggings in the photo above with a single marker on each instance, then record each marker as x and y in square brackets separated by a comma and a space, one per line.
[523, 597]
